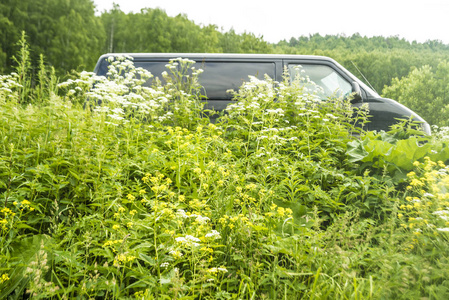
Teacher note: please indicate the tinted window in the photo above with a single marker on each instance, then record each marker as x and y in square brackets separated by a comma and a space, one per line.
[332, 83]
[219, 77]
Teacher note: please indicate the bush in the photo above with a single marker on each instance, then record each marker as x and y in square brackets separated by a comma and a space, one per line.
[137, 195]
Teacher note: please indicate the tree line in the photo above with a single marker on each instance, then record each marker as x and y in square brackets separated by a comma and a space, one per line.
[71, 37]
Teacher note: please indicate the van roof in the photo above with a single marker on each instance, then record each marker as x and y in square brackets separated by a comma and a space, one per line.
[222, 55]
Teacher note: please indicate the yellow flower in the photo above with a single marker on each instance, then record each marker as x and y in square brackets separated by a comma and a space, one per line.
[176, 254]
[116, 227]
[130, 197]
[416, 182]
[281, 211]
[416, 164]
[4, 278]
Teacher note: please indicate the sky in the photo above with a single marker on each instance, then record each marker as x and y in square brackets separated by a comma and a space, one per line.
[276, 20]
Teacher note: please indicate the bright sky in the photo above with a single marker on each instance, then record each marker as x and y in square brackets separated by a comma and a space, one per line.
[276, 20]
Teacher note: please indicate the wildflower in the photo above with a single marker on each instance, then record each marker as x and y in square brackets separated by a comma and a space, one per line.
[416, 182]
[116, 227]
[411, 174]
[188, 240]
[207, 249]
[130, 197]
[201, 220]
[216, 270]
[4, 278]
[176, 254]
[281, 211]
[6, 211]
[213, 234]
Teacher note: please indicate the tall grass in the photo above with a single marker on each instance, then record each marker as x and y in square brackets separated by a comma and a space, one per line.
[136, 195]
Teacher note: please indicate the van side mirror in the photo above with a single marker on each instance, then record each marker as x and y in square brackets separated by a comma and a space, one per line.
[356, 92]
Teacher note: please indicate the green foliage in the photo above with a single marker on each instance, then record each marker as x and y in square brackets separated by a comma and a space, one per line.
[167, 34]
[424, 90]
[379, 59]
[19, 85]
[137, 196]
[67, 32]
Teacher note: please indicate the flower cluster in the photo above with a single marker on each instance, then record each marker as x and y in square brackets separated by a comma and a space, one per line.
[427, 207]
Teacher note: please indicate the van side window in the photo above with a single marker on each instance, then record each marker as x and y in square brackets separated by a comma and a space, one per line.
[332, 84]
[218, 76]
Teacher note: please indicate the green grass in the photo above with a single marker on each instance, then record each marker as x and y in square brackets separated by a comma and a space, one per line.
[141, 198]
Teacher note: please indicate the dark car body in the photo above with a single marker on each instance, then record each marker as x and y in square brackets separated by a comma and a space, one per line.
[223, 72]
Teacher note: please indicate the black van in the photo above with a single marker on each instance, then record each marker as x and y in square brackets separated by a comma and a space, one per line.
[223, 72]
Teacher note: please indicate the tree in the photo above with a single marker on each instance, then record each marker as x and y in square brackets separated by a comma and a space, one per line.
[66, 32]
[425, 91]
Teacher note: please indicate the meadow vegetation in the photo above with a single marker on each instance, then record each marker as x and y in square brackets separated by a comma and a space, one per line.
[111, 189]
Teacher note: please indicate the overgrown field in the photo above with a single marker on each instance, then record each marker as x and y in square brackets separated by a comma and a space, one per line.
[136, 195]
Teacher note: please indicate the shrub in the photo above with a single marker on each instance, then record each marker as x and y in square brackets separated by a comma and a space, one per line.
[137, 195]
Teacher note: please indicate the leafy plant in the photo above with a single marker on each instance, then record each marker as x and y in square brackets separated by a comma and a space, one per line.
[276, 199]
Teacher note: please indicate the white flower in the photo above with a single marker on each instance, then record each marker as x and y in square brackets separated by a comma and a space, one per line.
[188, 240]
[213, 234]
[201, 220]
[441, 212]
[181, 240]
[443, 229]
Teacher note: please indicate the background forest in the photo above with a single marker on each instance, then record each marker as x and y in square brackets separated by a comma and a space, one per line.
[72, 37]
